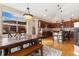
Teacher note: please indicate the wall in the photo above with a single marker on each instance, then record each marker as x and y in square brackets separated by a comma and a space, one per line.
[0, 22]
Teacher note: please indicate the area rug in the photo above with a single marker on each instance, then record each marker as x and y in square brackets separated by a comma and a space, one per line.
[48, 51]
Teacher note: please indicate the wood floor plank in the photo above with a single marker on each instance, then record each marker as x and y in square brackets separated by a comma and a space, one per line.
[67, 47]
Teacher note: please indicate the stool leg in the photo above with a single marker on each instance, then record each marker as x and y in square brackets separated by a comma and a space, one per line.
[41, 51]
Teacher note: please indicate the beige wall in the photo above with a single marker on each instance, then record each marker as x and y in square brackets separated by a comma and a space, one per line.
[0, 22]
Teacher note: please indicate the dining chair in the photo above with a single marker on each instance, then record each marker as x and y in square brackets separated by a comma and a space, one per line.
[60, 37]
[66, 35]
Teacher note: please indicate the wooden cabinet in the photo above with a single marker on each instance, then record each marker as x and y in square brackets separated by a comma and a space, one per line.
[66, 24]
[44, 24]
[46, 33]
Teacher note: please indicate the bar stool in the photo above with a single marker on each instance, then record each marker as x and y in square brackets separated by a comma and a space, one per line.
[57, 36]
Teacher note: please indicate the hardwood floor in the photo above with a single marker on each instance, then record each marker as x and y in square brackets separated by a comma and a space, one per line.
[67, 47]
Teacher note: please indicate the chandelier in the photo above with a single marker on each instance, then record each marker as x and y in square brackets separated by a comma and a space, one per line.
[27, 14]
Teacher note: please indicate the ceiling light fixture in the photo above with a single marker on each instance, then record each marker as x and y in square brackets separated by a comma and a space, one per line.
[60, 14]
[27, 15]
[60, 10]
[45, 12]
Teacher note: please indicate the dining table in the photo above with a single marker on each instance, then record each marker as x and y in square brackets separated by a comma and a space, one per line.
[5, 46]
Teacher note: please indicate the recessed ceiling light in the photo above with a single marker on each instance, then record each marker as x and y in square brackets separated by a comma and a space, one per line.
[72, 15]
[46, 10]
[44, 15]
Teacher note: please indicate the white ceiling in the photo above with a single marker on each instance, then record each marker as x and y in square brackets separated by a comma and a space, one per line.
[52, 14]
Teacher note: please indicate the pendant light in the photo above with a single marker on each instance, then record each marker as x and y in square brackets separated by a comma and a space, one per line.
[27, 15]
